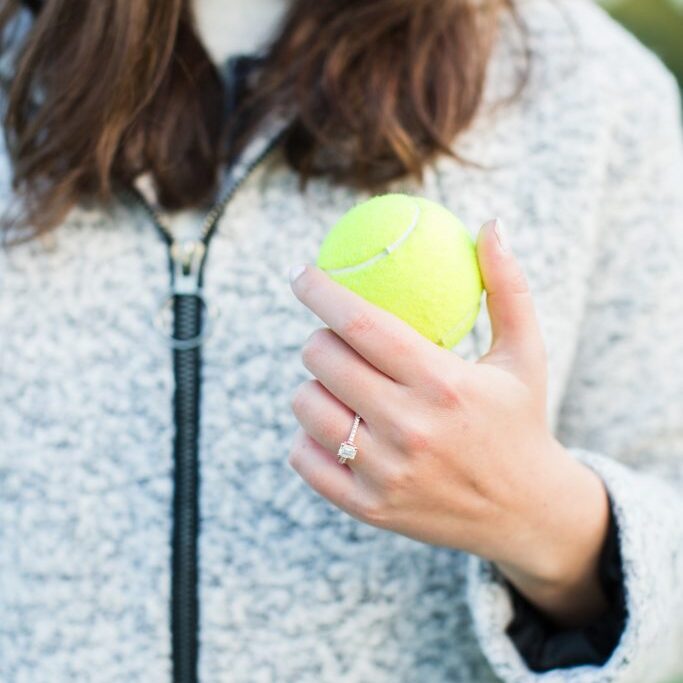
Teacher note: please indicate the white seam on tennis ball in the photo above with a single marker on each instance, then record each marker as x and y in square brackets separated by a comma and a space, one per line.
[385, 252]
[462, 318]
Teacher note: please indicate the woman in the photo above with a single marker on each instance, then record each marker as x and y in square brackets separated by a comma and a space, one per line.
[514, 508]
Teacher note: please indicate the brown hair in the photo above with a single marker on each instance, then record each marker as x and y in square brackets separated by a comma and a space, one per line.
[375, 89]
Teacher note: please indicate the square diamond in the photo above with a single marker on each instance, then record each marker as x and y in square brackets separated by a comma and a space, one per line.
[347, 450]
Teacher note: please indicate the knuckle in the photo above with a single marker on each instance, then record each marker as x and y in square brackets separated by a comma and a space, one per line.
[293, 458]
[518, 282]
[414, 436]
[441, 384]
[372, 511]
[294, 455]
[313, 346]
[299, 398]
[359, 324]
[403, 349]
[396, 480]
[394, 487]
[446, 392]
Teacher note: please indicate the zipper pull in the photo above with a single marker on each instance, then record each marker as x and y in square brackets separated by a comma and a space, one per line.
[187, 257]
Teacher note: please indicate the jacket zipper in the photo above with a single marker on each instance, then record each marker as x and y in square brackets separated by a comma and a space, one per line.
[186, 260]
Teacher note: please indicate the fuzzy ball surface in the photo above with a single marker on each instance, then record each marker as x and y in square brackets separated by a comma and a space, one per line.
[412, 257]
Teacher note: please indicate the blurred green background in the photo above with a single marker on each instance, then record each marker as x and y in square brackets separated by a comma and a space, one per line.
[658, 23]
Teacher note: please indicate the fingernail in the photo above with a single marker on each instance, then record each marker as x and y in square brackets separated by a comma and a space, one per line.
[501, 234]
[296, 271]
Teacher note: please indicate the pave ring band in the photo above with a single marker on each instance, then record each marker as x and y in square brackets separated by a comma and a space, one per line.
[347, 449]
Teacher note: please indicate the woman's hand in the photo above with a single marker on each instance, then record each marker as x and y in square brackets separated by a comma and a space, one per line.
[450, 452]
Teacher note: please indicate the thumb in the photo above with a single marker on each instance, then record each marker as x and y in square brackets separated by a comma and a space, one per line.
[517, 343]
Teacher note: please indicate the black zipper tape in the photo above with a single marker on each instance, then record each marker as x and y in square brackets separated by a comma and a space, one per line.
[188, 324]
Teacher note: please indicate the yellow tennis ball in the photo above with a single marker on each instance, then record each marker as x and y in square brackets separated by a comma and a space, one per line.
[412, 257]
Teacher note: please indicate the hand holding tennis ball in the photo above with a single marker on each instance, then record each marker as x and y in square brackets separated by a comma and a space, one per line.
[450, 452]
[411, 257]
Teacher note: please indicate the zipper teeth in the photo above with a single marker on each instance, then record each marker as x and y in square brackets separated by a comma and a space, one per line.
[213, 215]
[184, 609]
[211, 218]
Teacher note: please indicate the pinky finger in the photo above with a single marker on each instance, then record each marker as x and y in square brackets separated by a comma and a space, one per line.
[320, 469]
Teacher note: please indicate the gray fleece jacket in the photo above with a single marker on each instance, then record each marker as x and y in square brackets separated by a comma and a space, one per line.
[586, 169]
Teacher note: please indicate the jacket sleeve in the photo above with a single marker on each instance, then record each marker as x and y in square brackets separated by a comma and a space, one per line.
[622, 412]
[545, 645]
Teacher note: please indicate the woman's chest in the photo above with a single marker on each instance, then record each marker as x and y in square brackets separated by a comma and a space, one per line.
[87, 367]
[87, 427]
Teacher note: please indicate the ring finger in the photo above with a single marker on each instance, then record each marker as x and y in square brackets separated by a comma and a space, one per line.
[329, 422]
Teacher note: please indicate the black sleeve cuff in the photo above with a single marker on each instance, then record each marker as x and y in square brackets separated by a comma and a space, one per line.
[545, 646]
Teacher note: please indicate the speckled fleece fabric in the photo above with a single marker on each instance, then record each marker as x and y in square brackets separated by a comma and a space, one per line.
[586, 169]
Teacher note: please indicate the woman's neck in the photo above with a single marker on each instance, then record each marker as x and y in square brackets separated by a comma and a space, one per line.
[229, 27]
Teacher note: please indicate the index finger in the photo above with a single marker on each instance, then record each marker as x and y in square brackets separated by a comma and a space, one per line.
[386, 341]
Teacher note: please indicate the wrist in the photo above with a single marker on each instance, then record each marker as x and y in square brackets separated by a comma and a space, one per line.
[565, 525]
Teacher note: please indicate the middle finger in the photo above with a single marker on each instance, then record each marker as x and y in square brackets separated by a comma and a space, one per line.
[348, 376]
